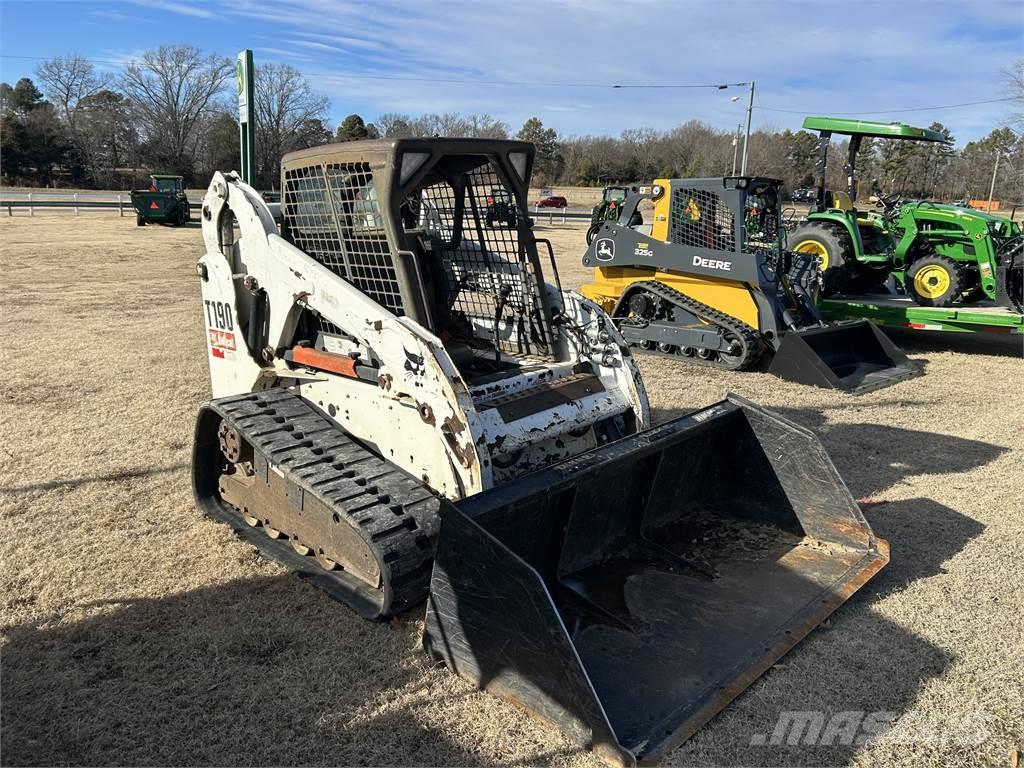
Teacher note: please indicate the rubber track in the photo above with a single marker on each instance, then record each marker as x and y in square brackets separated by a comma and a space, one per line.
[750, 335]
[395, 514]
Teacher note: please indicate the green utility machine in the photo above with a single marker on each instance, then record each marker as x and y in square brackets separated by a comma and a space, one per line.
[164, 202]
[609, 209]
[937, 254]
[501, 208]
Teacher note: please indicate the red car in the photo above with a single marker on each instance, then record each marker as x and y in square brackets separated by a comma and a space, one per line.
[553, 202]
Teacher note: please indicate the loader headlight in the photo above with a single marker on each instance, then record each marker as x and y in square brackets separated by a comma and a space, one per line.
[201, 271]
[657, 191]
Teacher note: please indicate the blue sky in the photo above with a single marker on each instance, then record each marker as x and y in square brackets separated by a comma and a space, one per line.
[819, 57]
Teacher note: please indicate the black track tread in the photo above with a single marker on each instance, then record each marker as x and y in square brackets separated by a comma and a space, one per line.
[755, 347]
[395, 514]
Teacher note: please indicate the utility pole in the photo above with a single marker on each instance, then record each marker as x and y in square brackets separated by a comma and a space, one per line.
[992, 186]
[746, 141]
[736, 146]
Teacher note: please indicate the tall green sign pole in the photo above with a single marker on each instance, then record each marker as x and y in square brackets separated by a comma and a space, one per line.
[246, 115]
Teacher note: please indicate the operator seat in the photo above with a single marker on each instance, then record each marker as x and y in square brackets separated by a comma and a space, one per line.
[839, 201]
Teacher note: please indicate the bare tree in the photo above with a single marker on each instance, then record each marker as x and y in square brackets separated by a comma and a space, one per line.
[486, 127]
[173, 91]
[67, 80]
[1015, 88]
[72, 84]
[286, 106]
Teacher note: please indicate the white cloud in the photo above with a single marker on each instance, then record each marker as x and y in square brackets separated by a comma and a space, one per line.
[180, 7]
[810, 57]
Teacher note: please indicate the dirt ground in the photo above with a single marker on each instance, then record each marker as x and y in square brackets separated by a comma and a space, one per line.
[137, 632]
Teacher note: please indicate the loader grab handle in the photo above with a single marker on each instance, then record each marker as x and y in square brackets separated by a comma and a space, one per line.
[343, 365]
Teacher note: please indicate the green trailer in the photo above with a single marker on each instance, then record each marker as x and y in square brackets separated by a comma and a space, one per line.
[903, 312]
[164, 202]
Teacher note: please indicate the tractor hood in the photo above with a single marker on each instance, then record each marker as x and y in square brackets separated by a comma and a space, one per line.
[970, 214]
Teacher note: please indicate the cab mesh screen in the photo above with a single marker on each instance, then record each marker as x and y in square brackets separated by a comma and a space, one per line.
[332, 213]
[483, 265]
[700, 218]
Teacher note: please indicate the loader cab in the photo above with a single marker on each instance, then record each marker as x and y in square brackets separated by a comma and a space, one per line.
[170, 184]
[433, 229]
[735, 214]
[615, 195]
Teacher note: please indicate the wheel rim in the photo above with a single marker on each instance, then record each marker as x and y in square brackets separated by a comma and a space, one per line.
[816, 249]
[736, 352]
[931, 281]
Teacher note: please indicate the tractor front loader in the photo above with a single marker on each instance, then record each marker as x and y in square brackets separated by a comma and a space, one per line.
[710, 282]
[406, 410]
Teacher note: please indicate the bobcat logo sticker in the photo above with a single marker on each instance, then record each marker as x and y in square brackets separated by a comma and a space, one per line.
[605, 249]
[414, 367]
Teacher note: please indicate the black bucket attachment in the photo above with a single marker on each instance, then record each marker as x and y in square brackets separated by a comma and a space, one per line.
[629, 594]
[853, 356]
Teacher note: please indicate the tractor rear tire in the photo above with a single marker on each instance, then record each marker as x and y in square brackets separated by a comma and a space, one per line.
[833, 248]
[139, 221]
[934, 281]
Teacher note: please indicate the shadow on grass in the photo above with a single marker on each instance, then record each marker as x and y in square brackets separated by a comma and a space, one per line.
[873, 457]
[110, 477]
[261, 672]
[914, 342]
[251, 672]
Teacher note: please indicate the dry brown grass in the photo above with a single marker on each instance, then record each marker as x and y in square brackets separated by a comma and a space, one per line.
[137, 632]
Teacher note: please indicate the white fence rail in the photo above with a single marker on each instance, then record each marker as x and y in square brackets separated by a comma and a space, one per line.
[76, 201]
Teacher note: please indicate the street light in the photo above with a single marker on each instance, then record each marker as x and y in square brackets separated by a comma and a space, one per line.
[720, 87]
[746, 138]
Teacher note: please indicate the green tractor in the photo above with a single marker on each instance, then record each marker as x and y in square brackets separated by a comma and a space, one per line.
[608, 210]
[935, 253]
[501, 208]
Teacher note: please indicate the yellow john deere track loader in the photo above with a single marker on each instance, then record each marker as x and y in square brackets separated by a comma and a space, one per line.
[710, 282]
[406, 410]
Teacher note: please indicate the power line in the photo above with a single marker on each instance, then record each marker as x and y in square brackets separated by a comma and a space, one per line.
[888, 111]
[549, 84]
[449, 80]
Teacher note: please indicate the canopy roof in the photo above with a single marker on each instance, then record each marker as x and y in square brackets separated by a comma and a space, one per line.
[850, 127]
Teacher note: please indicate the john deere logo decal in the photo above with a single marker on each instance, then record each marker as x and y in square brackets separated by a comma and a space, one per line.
[605, 249]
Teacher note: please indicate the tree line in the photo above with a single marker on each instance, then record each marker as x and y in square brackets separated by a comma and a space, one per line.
[173, 110]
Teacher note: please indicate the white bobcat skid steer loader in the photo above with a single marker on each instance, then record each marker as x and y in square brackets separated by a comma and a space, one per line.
[392, 376]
